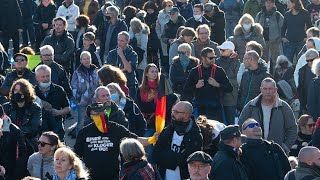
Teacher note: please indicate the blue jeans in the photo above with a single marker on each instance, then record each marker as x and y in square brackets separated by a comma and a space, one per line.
[149, 149]
[292, 48]
[81, 111]
[230, 113]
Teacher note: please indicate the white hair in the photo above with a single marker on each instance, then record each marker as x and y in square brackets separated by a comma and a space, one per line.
[48, 47]
[316, 67]
[42, 67]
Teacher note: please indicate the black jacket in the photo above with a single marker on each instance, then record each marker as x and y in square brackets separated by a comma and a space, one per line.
[314, 98]
[32, 118]
[63, 46]
[59, 76]
[226, 165]
[100, 151]
[302, 141]
[250, 84]
[264, 160]
[12, 76]
[191, 22]
[168, 159]
[10, 16]
[13, 154]
[305, 80]
[207, 92]
[137, 123]
[171, 28]
[217, 25]
[96, 60]
[178, 76]
[45, 14]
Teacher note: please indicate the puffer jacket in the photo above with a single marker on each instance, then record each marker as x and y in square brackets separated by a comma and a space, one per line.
[282, 127]
[250, 84]
[231, 66]
[84, 83]
[178, 76]
[142, 43]
[63, 46]
[163, 18]
[240, 41]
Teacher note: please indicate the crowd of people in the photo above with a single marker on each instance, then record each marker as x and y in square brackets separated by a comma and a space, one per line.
[160, 89]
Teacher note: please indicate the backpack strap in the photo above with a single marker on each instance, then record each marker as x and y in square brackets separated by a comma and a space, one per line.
[213, 71]
[199, 71]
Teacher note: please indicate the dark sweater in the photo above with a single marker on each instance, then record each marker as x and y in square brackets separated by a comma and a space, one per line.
[294, 25]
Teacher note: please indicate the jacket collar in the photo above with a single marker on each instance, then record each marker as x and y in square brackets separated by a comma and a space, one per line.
[257, 101]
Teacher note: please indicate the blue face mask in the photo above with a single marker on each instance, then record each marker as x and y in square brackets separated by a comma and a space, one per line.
[114, 97]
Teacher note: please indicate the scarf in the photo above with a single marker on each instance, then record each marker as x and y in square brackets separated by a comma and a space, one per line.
[71, 176]
[151, 94]
[246, 34]
[184, 61]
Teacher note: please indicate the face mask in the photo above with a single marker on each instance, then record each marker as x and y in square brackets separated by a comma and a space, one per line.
[183, 57]
[167, 9]
[20, 72]
[114, 97]
[108, 18]
[247, 26]
[17, 97]
[179, 127]
[44, 85]
[197, 17]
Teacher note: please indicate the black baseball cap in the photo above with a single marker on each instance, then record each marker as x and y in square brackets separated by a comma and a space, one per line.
[199, 156]
[20, 54]
[230, 132]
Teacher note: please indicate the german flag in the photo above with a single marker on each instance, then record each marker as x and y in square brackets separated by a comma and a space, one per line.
[164, 88]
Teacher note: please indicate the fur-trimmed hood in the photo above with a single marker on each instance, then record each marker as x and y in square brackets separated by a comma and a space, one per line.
[256, 28]
[192, 59]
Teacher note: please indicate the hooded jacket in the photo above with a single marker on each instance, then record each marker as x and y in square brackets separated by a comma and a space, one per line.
[163, 18]
[250, 84]
[283, 128]
[34, 165]
[142, 43]
[240, 41]
[70, 13]
[302, 60]
[173, 51]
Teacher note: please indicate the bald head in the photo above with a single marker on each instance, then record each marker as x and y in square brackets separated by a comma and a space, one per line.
[187, 106]
[308, 155]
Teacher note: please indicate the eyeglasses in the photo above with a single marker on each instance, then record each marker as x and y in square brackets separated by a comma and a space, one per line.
[46, 55]
[310, 125]
[43, 144]
[212, 57]
[251, 125]
[19, 60]
[310, 60]
[177, 112]
[199, 166]
[222, 50]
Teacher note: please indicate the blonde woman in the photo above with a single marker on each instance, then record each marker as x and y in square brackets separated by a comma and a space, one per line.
[68, 166]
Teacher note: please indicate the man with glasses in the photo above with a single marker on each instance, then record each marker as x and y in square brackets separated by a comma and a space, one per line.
[21, 71]
[13, 150]
[274, 114]
[305, 77]
[176, 142]
[203, 40]
[58, 74]
[263, 159]
[206, 84]
[199, 165]
[226, 163]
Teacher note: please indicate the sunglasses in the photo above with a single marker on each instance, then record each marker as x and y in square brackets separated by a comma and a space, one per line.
[310, 125]
[310, 60]
[211, 58]
[251, 125]
[181, 52]
[43, 144]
